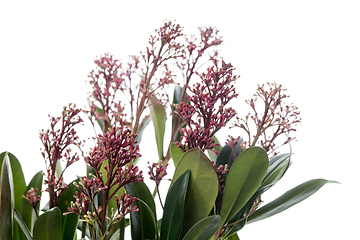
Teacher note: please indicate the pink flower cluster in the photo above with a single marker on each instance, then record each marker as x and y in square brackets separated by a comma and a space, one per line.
[278, 116]
[115, 152]
[33, 199]
[57, 144]
[206, 112]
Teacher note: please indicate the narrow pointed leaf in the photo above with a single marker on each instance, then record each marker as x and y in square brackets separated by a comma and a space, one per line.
[175, 153]
[174, 208]
[144, 123]
[202, 189]
[204, 229]
[27, 212]
[288, 199]
[22, 225]
[143, 222]
[48, 226]
[158, 117]
[6, 200]
[244, 178]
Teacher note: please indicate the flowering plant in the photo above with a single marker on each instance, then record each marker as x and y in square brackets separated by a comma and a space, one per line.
[215, 190]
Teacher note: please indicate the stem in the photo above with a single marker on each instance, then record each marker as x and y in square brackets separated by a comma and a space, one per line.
[157, 189]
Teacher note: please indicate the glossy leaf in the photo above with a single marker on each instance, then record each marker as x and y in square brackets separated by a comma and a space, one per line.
[22, 225]
[174, 208]
[6, 200]
[18, 178]
[204, 229]
[288, 199]
[143, 222]
[227, 155]
[176, 100]
[158, 117]
[202, 189]
[277, 168]
[48, 226]
[233, 237]
[175, 153]
[244, 178]
[69, 221]
[27, 212]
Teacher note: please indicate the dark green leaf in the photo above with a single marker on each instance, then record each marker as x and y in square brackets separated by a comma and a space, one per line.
[22, 225]
[143, 222]
[27, 211]
[204, 229]
[244, 178]
[158, 117]
[48, 225]
[203, 186]
[6, 200]
[288, 199]
[233, 237]
[69, 221]
[175, 153]
[174, 208]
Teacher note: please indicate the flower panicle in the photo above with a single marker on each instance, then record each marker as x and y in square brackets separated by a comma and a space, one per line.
[207, 113]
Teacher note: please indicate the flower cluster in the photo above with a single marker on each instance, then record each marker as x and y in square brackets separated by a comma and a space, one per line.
[115, 153]
[57, 144]
[277, 116]
[33, 199]
[207, 113]
[106, 80]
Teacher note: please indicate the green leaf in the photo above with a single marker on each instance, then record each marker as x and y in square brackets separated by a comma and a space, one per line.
[288, 199]
[69, 222]
[27, 211]
[18, 178]
[175, 153]
[174, 208]
[143, 222]
[203, 186]
[6, 200]
[204, 229]
[233, 237]
[22, 225]
[158, 117]
[277, 167]
[227, 155]
[212, 155]
[48, 225]
[244, 178]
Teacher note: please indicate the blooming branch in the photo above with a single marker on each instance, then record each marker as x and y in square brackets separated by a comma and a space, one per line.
[278, 116]
[207, 113]
[56, 146]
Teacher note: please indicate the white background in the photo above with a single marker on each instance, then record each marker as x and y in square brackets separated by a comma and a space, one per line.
[311, 47]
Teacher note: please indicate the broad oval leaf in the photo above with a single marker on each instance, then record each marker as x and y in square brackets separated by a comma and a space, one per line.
[203, 186]
[204, 229]
[288, 199]
[27, 212]
[6, 200]
[158, 117]
[48, 225]
[174, 208]
[244, 178]
[143, 222]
